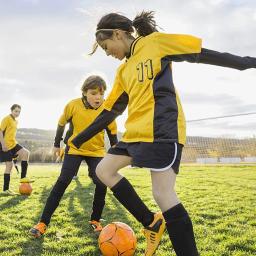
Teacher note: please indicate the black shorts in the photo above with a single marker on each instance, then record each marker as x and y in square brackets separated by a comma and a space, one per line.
[71, 165]
[10, 154]
[156, 156]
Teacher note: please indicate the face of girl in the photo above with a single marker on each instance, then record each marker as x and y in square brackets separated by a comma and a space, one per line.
[117, 46]
[16, 112]
[94, 97]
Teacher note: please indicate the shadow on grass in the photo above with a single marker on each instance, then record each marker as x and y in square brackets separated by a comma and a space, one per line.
[13, 201]
[34, 246]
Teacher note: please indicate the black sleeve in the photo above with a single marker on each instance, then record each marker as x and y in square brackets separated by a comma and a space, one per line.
[112, 137]
[222, 59]
[100, 123]
[58, 136]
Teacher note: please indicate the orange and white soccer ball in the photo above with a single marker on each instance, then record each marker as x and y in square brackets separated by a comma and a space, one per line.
[117, 239]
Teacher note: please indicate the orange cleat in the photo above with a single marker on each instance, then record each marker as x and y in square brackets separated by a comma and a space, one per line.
[95, 225]
[153, 233]
[38, 230]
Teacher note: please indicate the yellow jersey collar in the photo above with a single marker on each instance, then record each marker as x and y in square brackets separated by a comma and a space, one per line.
[132, 47]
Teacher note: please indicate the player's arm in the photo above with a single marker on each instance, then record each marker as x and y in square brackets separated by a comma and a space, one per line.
[66, 115]
[189, 48]
[58, 136]
[4, 148]
[112, 133]
[114, 105]
[3, 128]
[222, 59]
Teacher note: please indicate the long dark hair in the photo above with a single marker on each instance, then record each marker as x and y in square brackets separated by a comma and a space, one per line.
[144, 24]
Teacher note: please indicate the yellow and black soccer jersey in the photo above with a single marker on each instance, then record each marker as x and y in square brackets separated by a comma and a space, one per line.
[79, 116]
[144, 83]
[9, 129]
[154, 110]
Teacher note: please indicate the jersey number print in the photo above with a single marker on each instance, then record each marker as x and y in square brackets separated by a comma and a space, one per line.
[145, 67]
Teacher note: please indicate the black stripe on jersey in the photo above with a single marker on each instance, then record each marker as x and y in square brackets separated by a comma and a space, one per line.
[4, 132]
[120, 104]
[69, 132]
[132, 47]
[112, 137]
[102, 121]
[166, 109]
[12, 117]
[222, 59]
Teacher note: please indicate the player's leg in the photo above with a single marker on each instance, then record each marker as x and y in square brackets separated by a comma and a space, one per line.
[23, 155]
[99, 194]
[178, 222]
[70, 165]
[7, 177]
[107, 171]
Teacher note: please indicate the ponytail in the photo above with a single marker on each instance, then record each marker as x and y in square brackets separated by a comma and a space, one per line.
[144, 23]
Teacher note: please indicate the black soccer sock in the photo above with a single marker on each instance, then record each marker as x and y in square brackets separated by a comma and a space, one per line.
[127, 196]
[24, 167]
[6, 181]
[180, 229]
[98, 201]
[53, 201]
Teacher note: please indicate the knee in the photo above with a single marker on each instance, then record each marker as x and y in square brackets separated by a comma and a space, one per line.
[26, 154]
[160, 195]
[157, 195]
[100, 173]
[8, 168]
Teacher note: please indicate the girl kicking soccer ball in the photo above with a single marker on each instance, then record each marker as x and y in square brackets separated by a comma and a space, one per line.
[155, 127]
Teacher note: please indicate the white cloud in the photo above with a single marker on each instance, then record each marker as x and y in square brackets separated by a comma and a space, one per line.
[44, 46]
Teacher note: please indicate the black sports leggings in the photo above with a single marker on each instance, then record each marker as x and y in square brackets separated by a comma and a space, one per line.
[69, 168]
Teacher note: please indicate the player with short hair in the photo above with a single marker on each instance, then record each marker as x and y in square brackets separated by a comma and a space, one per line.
[80, 113]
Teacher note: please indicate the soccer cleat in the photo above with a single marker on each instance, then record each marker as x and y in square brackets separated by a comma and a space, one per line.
[38, 230]
[8, 192]
[26, 180]
[153, 233]
[95, 225]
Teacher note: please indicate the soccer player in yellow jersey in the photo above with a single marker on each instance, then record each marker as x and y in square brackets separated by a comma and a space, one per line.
[80, 113]
[155, 127]
[10, 149]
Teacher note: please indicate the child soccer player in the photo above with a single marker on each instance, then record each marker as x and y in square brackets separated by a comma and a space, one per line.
[10, 149]
[80, 113]
[155, 127]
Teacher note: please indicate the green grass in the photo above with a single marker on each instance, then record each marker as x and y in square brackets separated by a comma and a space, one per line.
[221, 201]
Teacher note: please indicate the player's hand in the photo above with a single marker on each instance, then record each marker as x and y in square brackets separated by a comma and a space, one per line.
[56, 151]
[4, 148]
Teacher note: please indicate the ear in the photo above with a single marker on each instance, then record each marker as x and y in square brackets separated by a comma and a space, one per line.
[118, 34]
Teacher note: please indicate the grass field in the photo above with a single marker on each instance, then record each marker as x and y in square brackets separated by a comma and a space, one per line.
[221, 201]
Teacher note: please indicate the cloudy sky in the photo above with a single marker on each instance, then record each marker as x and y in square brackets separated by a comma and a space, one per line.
[44, 46]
